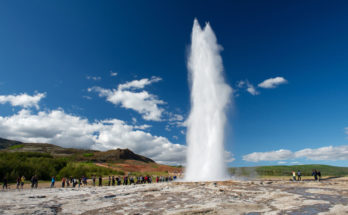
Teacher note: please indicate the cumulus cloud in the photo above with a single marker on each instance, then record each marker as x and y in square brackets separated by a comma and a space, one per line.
[126, 95]
[60, 128]
[324, 153]
[23, 100]
[268, 156]
[94, 78]
[332, 153]
[272, 82]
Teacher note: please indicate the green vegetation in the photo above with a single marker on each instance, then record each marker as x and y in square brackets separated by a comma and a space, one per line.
[4, 143]
[28, 164]
[88, 155]
[306, 170]
[85, 169]
[136, 174]
[14, 164]
[16, 146]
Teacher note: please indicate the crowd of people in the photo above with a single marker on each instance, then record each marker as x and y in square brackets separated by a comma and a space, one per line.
[315, 173]
[83, 181]
[119, 180]
[298, 175]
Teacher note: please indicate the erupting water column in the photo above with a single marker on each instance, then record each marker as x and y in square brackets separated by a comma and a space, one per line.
[210, 96]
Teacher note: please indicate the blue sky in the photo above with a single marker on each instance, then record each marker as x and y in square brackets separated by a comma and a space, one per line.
[60, 57]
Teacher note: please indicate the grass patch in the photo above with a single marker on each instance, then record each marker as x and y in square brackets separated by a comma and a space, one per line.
[78, 170]
[87, 155]
[16, 146]
[306, 170]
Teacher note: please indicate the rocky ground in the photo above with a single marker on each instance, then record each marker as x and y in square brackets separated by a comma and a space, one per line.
[229, 197]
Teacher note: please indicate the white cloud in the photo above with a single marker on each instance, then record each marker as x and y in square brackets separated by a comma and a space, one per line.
[332, 153]
[142, 127]
[113, 74]
[142, 102]
[248, 87]
[139, 84]
[324, 153]
[296, 163]
[251, 89]
[23, 100]
[272, 82]
[241, 84]
[54, 127]
[176, 117]
[281, 162]
[268, 156]
[94, 78]
[176, 120]
[134, 120]
[60, 128]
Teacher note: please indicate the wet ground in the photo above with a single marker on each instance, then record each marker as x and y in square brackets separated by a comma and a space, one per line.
[230, 197]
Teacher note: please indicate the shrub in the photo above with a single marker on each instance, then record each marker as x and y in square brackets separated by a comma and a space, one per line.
[88, 155]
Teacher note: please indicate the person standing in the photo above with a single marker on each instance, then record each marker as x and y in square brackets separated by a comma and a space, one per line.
[319, 175]
[109, 182]
[315, 174]
[113, 180]
[63, 182]
[100, 181]
[22, 181]
[299, 175]
[36, 181]
[18, 181]
[118, 180]
[5, 183]
[53, 181]
[32, 181]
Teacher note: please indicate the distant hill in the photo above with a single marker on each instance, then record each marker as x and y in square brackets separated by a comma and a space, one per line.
[74, 154]
[45, 160]
[306, 170]
[4, 143]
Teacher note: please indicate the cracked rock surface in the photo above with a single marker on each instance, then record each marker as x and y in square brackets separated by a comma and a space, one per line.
[229, 197]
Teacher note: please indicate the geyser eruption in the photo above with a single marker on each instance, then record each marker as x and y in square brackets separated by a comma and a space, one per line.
[210, 96]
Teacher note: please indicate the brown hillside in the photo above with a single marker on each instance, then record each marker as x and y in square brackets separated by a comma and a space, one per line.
[72, 153]
[132, 166]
